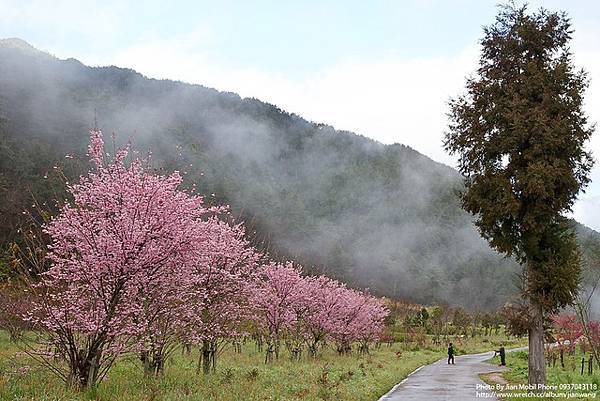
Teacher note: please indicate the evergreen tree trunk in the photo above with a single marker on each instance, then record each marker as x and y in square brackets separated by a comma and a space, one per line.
[537, 365]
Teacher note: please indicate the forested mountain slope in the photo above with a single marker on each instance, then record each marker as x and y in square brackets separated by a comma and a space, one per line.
[372, 215]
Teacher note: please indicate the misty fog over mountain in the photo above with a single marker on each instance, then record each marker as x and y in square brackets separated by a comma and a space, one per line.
[372, 215]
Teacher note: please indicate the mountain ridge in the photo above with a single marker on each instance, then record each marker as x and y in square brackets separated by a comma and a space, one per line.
[20, 44]
[373, 215]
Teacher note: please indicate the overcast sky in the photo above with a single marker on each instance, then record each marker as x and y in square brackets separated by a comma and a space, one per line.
[383, 69]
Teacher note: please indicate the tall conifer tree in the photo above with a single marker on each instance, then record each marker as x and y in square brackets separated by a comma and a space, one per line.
[519, 133]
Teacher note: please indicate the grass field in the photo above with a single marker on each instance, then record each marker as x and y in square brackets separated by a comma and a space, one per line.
[556, 375]
[239, 376]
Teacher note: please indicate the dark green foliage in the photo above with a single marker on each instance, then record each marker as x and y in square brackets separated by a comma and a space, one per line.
[520, 133]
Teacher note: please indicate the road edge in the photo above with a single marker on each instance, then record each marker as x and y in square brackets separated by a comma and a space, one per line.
[383, 397]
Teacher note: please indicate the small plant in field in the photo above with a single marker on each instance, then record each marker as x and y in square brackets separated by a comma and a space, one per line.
[301, 393]
[228, 376]
[346, 376]
[252, 375]
[361, 366]
[154, 392]
[323, 379]
[327, 388]
[186, 389]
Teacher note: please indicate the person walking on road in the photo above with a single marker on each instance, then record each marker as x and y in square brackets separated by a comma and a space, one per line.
[502, 353]
[450, 354]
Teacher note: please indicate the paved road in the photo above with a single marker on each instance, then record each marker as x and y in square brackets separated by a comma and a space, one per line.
[440, 381]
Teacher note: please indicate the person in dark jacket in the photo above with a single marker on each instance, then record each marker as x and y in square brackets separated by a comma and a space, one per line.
[450, 354]
[502, 353]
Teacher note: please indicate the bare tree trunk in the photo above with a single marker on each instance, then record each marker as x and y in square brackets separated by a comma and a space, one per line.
[562, 358]
[153, 362]
[269, 354]
[159, 363]
[259, 343]
[537, 363]
[206, 356]
[93, 373]
[312, 348]
[145, 358]
[214, 350]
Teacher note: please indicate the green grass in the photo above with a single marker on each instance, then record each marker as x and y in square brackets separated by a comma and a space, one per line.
[239, 376]
[556, 375]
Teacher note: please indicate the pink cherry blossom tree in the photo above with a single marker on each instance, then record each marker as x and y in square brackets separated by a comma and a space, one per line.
[359, 318]
[116, 247]
[139, 265]
[219, 291]
[164, 303]
[302, 308]
[273, 295]
[567, 329]
[594, 333]
[370, 322]
[311, 310]
[14, 305]
[325, 298]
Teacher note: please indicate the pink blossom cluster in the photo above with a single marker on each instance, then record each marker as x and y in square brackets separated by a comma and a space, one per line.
[570, 332]
[567, 331]
[139, 265]
[309, 311]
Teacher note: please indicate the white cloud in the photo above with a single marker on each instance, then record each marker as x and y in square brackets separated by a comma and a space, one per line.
[586, 211]
[390, 100]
